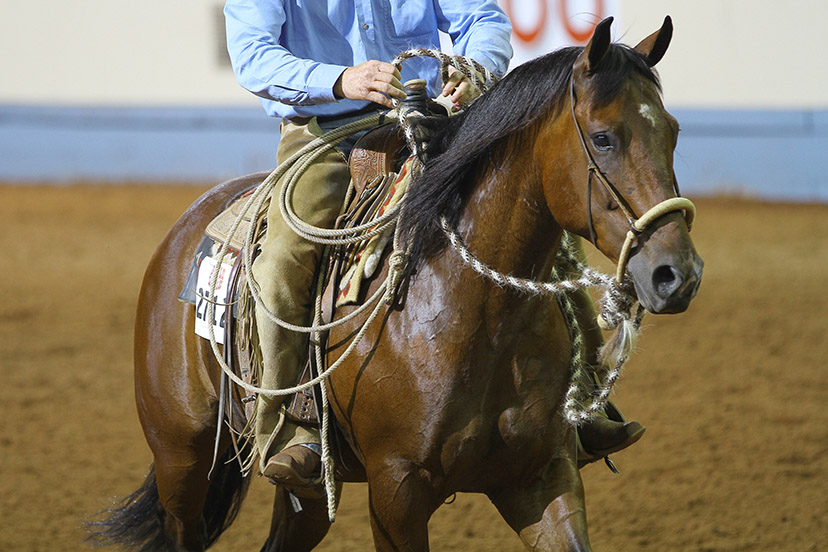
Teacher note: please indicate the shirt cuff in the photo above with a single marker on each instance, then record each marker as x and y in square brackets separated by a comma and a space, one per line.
[497, 67]
[321, 82]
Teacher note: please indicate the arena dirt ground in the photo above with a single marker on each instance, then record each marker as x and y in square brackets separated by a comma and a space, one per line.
[733, 392]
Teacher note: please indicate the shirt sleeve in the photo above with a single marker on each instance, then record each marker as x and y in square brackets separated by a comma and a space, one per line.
[266, 68]
[479, 29]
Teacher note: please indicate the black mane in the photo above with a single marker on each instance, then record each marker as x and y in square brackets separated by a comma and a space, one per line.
[458, 148]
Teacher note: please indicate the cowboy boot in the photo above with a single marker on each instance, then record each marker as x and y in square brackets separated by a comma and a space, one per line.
[297, 467]
[609, 432]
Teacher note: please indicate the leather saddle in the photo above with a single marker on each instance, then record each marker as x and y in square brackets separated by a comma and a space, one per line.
[380, 151]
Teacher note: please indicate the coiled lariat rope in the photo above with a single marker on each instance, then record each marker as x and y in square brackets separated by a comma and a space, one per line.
[615, 304]
[291, 169]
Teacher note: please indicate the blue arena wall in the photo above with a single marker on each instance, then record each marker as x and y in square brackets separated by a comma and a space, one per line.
[108, 144]
[775, 155]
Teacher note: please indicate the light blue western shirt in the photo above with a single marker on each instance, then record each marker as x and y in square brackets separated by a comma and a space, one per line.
[291, 52]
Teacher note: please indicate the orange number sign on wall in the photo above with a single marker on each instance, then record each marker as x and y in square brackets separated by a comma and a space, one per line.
[527, 35]
[531, 34]
[584, 34]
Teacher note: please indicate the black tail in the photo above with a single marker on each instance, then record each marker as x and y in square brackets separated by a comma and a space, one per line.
[137, 521]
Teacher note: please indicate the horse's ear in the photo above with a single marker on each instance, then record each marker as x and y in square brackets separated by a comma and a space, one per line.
[598, 45]
[654, 46]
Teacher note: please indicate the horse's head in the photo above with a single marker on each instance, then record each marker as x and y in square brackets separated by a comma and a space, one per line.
[621, 167]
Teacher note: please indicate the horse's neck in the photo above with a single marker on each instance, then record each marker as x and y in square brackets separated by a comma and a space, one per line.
[507, 224]
[484, 331]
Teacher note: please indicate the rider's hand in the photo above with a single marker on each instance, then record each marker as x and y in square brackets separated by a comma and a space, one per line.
[460, 88]
[374, 81]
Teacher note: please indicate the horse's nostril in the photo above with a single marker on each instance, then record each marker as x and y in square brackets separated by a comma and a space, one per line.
[666, 280]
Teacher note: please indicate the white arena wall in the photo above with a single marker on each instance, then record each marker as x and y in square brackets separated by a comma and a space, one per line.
[115, 91]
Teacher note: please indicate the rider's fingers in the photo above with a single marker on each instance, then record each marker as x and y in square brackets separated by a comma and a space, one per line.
[454, 80]
[462, 91]
[379, 98]
[381, 66]
[383, 78]
[398, 89]
[389, 83]
[389, 69]
[386, 71]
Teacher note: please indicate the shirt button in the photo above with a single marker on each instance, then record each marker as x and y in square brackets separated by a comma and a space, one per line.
[365, 26]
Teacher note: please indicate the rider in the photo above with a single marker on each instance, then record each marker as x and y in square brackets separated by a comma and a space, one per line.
[319, 66]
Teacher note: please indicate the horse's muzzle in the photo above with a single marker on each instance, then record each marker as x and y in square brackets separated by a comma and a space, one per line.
[672, 288]
[666, 269]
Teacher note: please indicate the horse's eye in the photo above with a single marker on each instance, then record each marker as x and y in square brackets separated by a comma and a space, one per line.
[602, 142]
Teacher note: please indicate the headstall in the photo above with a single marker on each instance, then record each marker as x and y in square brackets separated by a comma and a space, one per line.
[637, 224]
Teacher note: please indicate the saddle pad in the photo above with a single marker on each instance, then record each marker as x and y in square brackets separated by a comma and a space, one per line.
[367, 259]
[219, 228]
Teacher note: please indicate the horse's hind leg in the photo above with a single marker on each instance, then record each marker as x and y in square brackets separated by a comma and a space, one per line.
[178, 411]
[176, 387]
[298, 524]
[181, 475]
[550, 514]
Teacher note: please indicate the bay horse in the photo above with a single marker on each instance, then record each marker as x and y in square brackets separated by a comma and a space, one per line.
[461, 389]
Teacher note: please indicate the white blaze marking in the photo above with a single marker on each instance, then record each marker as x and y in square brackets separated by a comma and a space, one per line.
[647, 111]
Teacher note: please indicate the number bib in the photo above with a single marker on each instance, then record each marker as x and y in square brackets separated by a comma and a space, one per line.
[221, 299]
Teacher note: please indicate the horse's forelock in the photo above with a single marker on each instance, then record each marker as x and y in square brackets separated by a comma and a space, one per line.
[616, 67]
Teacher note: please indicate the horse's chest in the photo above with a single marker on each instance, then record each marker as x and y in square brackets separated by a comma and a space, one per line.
[507, 408]
[458, 391]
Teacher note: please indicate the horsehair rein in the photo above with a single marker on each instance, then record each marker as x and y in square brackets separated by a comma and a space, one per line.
[615, 305]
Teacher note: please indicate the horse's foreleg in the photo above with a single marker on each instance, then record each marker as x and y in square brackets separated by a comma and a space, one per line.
[400, 503]
[548, 514]
[298, 524]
